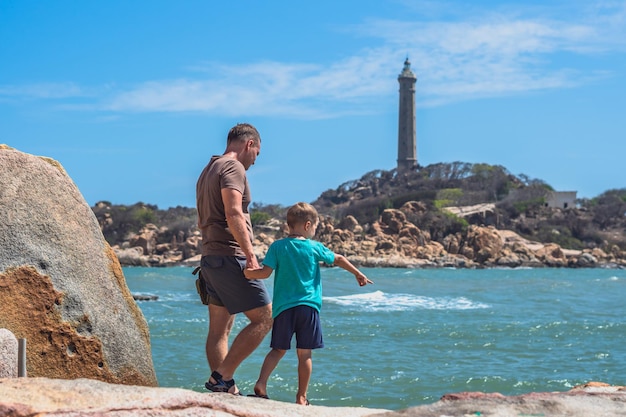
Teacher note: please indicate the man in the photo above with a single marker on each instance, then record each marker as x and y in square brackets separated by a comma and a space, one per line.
[222, 199]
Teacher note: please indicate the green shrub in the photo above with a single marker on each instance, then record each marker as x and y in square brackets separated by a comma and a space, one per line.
[259, 217]
[524, 206]
[143, 215]
[453, 195]
[559, 235]
[443, 203]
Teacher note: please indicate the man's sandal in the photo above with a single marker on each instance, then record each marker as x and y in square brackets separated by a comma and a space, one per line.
[220, 385]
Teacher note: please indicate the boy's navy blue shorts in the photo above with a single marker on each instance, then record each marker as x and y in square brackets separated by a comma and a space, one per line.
[304, 322]
[227, 286]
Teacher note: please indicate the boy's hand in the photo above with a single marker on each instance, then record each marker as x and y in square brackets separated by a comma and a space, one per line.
[362, 279]
[261, 272]
[248, 272]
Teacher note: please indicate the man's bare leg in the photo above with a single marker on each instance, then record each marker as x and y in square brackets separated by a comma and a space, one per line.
[248, 339]
[220, 325]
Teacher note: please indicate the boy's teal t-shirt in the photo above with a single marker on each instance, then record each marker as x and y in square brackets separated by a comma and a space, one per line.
[297, 278]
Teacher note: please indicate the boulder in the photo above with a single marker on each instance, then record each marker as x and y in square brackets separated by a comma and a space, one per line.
[486, 243]
[131, 256]
[392, 221]
[350, 223]
[586, 259]
[61, 285]
[145, 239]
[552, 255]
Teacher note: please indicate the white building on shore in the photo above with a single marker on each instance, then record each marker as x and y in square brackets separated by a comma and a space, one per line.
[561, 199]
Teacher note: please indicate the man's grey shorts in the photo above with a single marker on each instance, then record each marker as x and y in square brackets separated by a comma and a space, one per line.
[227, 286]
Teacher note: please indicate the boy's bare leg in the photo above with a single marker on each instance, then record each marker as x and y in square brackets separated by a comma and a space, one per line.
[305, 368]
[269, 364]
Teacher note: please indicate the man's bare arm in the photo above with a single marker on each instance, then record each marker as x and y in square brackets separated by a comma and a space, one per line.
[236, 220]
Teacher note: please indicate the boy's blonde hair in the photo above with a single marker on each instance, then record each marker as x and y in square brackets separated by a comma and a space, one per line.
[300, 213]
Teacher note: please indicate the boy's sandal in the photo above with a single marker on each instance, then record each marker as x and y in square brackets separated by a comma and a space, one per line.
[220, 385]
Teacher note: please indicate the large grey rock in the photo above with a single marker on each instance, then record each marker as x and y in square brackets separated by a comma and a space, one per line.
[8, 354]
[61, 285]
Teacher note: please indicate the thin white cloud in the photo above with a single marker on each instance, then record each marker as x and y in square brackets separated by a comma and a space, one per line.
[42, 91]
[299, 90]
[480, 54]
[492, 55]
[497, 54]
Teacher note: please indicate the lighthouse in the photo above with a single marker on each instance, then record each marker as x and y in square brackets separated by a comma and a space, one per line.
[407, 138]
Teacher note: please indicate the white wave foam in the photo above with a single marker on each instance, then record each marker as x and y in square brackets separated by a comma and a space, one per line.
[380, 301]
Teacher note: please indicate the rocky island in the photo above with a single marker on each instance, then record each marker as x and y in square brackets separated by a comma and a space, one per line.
[484, 217]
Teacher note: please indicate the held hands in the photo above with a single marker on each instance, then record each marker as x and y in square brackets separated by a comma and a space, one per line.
[260, 272]
[248, 272]
[362, 279]
[252, 262]
[253, 270]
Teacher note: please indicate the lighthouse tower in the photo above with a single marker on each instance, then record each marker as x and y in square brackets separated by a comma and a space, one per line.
[407, 141]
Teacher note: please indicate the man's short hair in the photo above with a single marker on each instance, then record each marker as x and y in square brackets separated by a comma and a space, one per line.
[242, 132]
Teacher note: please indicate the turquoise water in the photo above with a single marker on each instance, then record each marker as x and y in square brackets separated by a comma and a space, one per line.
[415, 334]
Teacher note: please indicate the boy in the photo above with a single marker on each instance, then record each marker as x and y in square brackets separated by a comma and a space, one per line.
[297, 295]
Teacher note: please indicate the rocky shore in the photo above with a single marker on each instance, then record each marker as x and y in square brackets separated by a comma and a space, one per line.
[391, 241]
[26, 397]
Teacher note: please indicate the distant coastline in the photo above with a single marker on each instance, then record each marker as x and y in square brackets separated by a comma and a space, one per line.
[443, 215]
[392, 242]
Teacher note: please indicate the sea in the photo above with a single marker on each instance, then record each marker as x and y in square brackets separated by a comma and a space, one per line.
[415, 334]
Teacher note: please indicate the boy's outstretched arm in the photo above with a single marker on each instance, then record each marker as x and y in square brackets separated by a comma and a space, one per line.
[261, 273]
[343, 262]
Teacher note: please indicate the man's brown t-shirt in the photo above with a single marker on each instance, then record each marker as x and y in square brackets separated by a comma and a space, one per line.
[221, 172]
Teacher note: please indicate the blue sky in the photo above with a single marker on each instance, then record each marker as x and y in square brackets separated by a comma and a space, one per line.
[133, 97]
